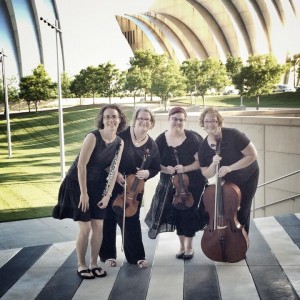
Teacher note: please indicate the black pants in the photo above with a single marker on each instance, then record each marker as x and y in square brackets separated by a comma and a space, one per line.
[248, 191]
[133, 244]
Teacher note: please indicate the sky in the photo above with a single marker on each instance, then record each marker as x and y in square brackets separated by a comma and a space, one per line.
[92, 34]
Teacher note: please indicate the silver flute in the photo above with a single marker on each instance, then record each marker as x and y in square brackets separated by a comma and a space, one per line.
[111, 172]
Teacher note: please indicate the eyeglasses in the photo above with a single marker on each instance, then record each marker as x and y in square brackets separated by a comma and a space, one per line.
[143, 120]
[107, 117]
[174, 119]
[210, 122]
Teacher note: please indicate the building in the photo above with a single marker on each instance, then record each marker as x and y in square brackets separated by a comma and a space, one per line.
[180, 28]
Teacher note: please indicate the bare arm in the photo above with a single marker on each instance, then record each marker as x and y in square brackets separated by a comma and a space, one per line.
[250, 155]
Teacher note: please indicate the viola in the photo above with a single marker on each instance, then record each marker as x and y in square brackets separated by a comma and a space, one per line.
[182, 199]
[224, 238]
[128, 199]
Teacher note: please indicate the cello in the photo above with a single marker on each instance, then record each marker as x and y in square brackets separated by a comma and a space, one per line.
[224, 238]
[182, 199]
[134, 186]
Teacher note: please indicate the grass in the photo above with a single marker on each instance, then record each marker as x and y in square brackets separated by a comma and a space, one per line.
[280, 100]
[31, 177]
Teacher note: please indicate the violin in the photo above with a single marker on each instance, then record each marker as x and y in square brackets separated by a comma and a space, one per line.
[134, 186]
[224, 238]
[182, 199]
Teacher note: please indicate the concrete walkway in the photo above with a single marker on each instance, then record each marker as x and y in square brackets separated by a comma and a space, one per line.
[38, 261]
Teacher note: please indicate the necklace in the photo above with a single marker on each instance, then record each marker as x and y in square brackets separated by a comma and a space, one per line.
[138, 142]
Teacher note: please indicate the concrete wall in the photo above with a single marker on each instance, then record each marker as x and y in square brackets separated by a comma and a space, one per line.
[276, 135]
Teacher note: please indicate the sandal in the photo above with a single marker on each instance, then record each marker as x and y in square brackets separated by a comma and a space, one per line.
[98, 272]
[86, 274]
[111, 262]
[142, 264]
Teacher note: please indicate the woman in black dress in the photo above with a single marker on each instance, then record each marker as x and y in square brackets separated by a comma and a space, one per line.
[238, 159]
[87, 187]
[163, 216]
[138, 145]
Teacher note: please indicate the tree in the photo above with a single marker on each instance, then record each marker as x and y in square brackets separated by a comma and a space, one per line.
[260, 75]
[111, 80]
[78, 86]
[294, 63]
[234, 67]
[92, 80]
[148, 63]
[65, 85]
[36, 87]
[190, 69]
[212, 75]
[134, 81]
[13, 91]
[168, 81]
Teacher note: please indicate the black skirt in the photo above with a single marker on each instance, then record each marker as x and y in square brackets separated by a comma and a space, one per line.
[68, 200]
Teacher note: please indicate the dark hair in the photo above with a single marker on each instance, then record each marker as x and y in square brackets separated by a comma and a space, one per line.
[144, 109]
[177, 110]
[122, 116]
[212, 111]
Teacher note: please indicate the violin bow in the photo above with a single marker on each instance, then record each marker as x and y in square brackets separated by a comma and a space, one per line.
[163, 207]
[218, 138]
[123, 219]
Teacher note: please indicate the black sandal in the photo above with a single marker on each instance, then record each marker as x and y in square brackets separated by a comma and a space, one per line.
[83, 274]
[98, 272]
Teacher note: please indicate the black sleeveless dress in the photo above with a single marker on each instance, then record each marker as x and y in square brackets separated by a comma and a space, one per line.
[69, 191]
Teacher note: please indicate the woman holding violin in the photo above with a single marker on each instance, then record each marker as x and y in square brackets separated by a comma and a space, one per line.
[181, 184]
[139, 162]
[237, 160]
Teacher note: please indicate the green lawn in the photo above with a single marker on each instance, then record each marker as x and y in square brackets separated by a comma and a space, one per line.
[31, 178]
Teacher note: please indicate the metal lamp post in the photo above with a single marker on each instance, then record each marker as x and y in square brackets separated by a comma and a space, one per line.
[2, 59]
[60, 110]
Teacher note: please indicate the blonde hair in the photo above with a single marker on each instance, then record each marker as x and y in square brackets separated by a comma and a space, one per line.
[144, 109]
[212, 111]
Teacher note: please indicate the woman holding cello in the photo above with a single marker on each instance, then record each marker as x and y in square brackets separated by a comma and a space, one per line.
[237, 160]
[180, 186]
[139, 162]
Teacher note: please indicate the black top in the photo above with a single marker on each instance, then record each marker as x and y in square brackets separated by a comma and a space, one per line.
[100, 159]
[233, 142]
[133, 157]
[186, 152]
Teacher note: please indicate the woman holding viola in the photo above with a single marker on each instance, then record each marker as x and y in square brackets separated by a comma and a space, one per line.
[178, 149]
[140, 150]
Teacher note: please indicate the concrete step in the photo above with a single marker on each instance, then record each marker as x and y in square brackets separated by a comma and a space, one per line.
[271, 269]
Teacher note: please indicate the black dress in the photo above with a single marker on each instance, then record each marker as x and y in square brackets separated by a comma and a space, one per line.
[132, 159]
[233, 142]
[162, 216]
[69, 191]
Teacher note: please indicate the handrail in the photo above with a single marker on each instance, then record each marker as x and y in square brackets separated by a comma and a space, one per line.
[279, 201]
[279, 178]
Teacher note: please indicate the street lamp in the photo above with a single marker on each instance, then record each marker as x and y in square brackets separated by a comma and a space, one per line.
[60, 111]
[2, 59]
